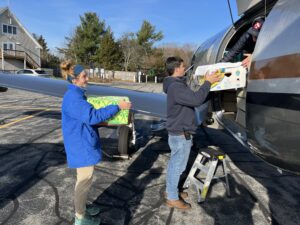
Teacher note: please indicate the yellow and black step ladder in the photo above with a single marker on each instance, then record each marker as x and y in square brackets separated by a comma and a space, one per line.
[204, 171]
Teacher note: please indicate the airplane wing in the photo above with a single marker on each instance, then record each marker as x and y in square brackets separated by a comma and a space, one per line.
[152, 104]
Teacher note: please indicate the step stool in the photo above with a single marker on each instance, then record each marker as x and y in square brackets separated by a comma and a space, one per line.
[206, 163]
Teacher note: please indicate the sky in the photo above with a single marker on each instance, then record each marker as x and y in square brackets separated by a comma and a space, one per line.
[182, 22]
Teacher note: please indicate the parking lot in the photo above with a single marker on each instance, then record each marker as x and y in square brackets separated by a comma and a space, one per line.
[36, 186]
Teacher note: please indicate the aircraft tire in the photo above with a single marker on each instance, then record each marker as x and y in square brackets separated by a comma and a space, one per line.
[3, 89]
[123, 141]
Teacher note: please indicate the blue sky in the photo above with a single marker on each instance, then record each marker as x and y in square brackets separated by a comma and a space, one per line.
[189, 21]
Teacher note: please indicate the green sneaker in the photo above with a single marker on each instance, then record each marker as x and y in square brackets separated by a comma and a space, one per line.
[87, 220]
[92, 210]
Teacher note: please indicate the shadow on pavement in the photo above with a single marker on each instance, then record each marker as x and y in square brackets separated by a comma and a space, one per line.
[124, 198]
[24, 186]
[277, 194]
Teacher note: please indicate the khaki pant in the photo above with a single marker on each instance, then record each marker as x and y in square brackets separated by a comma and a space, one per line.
[82, 187]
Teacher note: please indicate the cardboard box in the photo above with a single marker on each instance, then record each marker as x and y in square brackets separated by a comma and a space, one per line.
[233, 75]
[121, 118]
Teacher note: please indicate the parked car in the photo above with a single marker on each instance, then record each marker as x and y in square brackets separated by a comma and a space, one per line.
[34, 72]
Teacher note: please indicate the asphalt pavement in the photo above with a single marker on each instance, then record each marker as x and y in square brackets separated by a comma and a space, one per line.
[36, 187]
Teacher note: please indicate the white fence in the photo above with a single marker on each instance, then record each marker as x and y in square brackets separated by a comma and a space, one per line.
[136, 77]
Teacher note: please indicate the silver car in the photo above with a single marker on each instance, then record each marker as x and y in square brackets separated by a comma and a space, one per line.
[34, 72]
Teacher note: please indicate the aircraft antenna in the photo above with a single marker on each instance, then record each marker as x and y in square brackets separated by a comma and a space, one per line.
[230, 12]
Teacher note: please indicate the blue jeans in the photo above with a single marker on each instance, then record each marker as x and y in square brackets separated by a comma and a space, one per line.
[180, 151]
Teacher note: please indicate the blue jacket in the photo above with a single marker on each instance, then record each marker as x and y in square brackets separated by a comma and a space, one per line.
[81, 137]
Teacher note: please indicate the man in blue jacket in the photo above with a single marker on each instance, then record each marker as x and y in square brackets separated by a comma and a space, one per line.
[81, 137]
[181, 124]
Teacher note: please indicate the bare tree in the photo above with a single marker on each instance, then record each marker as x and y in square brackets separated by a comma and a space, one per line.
[185, 51]
[129, 47]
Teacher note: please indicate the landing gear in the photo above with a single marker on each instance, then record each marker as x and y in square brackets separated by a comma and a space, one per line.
[123, 140]
[126, 137]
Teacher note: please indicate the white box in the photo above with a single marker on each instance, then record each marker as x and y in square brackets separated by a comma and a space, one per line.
[234, 75]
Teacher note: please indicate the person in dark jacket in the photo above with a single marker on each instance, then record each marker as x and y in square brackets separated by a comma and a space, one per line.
[246, 43]
[181, 124]
[81, 137]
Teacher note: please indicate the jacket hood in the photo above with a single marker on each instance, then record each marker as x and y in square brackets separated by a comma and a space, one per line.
[169, 80]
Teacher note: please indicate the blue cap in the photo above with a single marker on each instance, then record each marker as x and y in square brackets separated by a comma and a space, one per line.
[78, 69]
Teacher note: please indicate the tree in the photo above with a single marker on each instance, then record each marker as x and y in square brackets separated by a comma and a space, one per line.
[129, 47]
[156, 62]
[45, 50]
[84, 43]
[147, 36]
[109, 55]
[185, 51]
[92, 44]
[68, 52]
[48, 60]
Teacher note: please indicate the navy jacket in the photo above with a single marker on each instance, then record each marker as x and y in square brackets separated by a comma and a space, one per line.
[81, 137]
[245, 43]
[181, 101]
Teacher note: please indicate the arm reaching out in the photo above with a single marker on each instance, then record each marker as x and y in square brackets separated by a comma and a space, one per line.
[213, 77]
[124, 105]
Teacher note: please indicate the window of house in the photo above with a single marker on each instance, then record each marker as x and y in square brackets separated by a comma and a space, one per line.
[4, 28]
[9, 29]
[8, 46]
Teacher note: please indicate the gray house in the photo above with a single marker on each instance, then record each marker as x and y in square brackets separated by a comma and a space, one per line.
[19, 49]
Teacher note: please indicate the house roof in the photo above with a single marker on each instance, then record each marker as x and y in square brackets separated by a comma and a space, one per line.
[4, 9]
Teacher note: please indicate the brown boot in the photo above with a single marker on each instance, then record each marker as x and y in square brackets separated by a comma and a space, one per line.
[182, 195]
[178, 204]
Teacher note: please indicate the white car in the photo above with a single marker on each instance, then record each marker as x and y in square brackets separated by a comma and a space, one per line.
[34, 72]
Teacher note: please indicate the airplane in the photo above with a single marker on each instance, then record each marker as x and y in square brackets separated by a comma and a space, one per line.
[263, 116]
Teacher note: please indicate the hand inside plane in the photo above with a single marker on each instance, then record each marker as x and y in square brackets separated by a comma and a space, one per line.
[247, 61]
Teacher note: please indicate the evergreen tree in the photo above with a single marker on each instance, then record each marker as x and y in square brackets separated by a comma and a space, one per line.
[147, 36]
[84, 44]
[109, 54]
[44, 51]
[48, 60]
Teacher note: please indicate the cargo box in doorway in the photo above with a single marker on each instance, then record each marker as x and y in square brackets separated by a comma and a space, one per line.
[233, 75]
